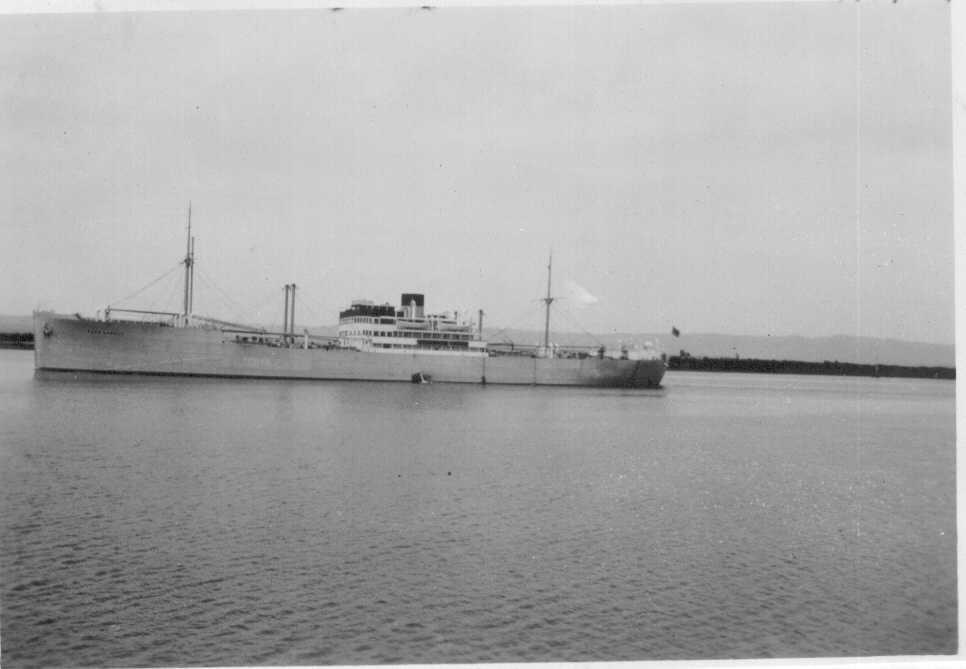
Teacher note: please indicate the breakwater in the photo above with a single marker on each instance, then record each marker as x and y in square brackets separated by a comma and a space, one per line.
[829, 368]
[23, 340]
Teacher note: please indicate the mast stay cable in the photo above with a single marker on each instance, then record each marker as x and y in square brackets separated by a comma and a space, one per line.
[231, 302]
[519, 318]
[308, 306]
[149, 284]
[573, 319]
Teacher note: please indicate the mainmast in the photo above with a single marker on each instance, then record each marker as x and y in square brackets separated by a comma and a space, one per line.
[189, 271]
[548, 300]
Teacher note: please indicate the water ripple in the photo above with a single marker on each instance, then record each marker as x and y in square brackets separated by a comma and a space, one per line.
[476, 527]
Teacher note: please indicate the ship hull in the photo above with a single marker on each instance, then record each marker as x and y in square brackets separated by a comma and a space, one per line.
[73, 344]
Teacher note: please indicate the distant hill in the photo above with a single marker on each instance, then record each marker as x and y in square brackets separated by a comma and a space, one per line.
[841, 348]
[12, 324]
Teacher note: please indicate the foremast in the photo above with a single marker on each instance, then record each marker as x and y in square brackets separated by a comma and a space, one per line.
[189, 272]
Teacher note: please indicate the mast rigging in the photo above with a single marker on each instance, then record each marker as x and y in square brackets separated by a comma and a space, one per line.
[548, 300]
[189, 272]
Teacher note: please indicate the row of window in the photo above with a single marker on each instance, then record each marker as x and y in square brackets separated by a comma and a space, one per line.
[435, 347]
[387, 321]
[412, 335]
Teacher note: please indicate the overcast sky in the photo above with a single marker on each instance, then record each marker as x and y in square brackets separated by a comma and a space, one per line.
[730, 168]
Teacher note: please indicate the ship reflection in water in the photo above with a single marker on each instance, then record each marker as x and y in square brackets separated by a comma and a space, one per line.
[154, 521]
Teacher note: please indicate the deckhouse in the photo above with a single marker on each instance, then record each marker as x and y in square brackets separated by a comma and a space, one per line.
[366, 326]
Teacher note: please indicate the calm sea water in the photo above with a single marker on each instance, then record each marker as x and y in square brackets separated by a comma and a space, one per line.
[151, 521]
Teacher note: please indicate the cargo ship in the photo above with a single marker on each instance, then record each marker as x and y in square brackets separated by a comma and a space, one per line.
[374, 342]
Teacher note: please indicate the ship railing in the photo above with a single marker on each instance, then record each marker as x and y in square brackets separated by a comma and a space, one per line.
[416, 324]
[228, 324]
[282, 339]
[537, 350]
[169, 317]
